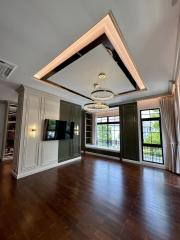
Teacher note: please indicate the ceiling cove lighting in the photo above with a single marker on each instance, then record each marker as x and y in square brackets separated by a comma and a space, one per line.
[95, 107]
[106, 26]
[101, 93]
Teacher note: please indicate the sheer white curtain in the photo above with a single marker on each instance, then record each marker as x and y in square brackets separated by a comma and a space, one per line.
[168, 119]
[177, 124]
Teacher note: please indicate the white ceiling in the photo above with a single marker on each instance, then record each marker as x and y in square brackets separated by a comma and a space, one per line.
[33, 32]
[83, 73]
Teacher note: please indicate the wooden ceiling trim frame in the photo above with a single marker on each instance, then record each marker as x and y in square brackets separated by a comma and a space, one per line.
[108, 27]
[51, 83]
[116, 38]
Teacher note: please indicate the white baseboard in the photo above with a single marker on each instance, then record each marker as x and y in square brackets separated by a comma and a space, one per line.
[143, 163]
[131, 161]
[41, 169]
[128, 160]
[102, 155]
[155, 165]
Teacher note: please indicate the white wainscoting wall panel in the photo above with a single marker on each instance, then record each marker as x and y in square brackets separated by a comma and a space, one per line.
[31, 140]
[32, 154]
[49, 149]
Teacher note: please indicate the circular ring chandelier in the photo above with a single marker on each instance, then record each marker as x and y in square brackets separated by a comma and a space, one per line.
[101, 93]
[95, 106]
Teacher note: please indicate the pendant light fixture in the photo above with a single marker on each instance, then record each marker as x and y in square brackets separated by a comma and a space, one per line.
[101, 93]
[95, 106]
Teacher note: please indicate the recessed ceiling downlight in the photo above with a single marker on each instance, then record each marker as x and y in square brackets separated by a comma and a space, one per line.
[102, 76]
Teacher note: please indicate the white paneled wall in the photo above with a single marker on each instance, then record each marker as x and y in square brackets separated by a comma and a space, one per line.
[49, 149]
[31, 153]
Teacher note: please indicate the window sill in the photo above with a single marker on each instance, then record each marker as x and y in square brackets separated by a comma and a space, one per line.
[101, 148]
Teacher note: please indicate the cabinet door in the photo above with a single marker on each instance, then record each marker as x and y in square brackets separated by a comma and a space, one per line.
[65, 111]
[82, 130]
[32, 132]
[77, 122]
[65, 150]
[76, 147]
[129, 131]
[70, 148]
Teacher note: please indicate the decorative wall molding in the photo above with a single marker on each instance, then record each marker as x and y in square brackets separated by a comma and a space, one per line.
[23, 88]
[34, 107]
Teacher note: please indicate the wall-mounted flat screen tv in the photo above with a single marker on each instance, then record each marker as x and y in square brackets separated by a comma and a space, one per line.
[50, 130]
[57, 130]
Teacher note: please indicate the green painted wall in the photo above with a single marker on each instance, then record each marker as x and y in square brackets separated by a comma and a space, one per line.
[70, 148]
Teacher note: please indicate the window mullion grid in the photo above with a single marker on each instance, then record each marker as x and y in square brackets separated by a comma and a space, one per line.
[157, 146]
[108, 128]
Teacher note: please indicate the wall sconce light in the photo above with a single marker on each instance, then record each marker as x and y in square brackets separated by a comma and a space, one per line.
[32, 131]
[76, 130]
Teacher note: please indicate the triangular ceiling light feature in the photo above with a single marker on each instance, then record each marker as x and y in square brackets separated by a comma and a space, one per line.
[105, 32]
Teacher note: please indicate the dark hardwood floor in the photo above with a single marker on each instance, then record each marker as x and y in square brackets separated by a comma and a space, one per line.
[90, 199]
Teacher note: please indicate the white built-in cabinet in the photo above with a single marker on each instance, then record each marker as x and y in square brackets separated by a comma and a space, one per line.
[32, 153]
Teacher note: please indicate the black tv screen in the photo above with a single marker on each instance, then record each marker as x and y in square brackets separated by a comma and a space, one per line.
[50, 130]
[58, 130]
[69, 130]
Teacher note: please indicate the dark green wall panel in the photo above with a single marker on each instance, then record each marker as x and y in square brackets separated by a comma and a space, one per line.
[70, 148]
[129, 131]
[83, 130]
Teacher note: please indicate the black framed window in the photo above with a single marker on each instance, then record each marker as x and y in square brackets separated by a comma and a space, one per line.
[152, 149]
[108, 132]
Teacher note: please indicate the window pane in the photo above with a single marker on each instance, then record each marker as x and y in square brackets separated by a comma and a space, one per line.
[99, 119]
[153, 154]
[101, 135]
[151, 132]
[145, 114]
[111, 119]
[114, 136]
[114, 119]
[108, 136]
[154, 113]
[104, 119]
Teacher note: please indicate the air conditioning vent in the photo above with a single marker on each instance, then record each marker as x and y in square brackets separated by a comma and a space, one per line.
[6, 69]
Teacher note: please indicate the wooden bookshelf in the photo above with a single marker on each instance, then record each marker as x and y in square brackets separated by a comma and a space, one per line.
[10, 131]
[89, 128]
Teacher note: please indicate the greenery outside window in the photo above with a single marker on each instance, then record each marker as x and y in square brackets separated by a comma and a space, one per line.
[108, 132]
[151, 136]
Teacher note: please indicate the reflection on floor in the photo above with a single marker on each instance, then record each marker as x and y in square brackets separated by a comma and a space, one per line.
[95, 198]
